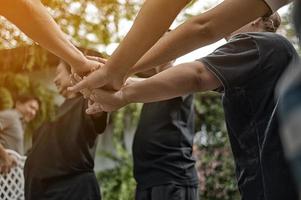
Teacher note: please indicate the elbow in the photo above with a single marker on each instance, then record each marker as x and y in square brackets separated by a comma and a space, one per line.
[198, 78]
[196, 74]
[205, 31]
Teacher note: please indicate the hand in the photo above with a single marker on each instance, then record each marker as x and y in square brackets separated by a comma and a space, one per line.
[133, 80]
[88, 66]
[76, 79]
[107, 101]
[99, 78]
[7, 162]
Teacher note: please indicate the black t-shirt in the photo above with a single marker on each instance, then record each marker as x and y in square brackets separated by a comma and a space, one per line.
[249, 66]
[63, 154]
[162, 148]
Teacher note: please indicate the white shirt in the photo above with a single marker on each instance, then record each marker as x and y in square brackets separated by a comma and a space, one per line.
[276, 4]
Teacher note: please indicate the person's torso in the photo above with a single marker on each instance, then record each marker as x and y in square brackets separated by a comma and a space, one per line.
[64, 146]
[163, 141]
[251, 117]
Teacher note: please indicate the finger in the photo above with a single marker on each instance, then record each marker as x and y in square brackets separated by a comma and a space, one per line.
[77, 78]
[98, 95]
[94, 109]
[94, 80]
[98, 59]
[86, 93]
[79, 86]
[90, 103]
[95, 68]
[14, 162]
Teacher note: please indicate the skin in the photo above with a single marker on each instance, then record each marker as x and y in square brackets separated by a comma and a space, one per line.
[98, 107]
[7, 162]
[33, 19]
[193, 77]
[143, 38]
[64, 79]
[28, 109]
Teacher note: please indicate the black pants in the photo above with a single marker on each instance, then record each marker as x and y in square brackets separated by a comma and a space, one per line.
[168, 192]
[79, 187]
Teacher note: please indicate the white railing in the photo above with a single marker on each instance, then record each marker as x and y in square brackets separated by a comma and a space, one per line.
[12, 184]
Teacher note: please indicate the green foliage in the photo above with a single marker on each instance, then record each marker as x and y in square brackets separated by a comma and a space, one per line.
[214, 158]
[287, 28]
[88, 23]
[6, 99]
[118, 183]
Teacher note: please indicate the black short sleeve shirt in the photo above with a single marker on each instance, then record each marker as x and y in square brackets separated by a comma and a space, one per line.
[249, 67]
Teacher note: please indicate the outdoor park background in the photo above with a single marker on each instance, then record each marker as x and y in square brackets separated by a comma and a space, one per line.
[99, 25]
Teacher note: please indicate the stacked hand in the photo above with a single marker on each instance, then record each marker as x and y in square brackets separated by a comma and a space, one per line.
[95, 87]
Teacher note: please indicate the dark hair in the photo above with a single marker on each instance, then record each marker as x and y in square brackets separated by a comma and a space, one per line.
[23, 98]
[272, 22]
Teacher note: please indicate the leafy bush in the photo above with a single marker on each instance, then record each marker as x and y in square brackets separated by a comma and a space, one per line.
[118, 183]
[215, 163]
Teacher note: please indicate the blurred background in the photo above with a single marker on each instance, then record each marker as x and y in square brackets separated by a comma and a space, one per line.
[96, 27]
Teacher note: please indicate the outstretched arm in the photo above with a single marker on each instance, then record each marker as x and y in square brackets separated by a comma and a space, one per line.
[33, 19]
[174, 82]
[202, 30]
[152, 22]
[177, 81]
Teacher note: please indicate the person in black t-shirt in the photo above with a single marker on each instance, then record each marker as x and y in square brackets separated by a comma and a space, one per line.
[61, 161]
[245, 70]
[164, 167]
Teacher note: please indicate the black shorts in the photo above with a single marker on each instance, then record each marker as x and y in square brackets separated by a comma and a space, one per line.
[168, 192]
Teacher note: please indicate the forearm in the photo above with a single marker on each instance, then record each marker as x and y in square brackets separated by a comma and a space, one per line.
[202, 30]
[33, 19]
[152, 22]
[173, 82]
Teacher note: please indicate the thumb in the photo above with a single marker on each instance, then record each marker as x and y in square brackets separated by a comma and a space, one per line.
[79, 86]
[94, 80]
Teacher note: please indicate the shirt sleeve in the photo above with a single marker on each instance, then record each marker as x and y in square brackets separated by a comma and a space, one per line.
[235, 62]
[100, 122]
[276, 4]
[9, 118]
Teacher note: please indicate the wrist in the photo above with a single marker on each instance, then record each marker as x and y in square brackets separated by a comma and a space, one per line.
[78, 62]
[127, 94]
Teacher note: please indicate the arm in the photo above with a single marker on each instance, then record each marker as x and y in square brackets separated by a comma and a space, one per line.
[191, 77]
[153, 20]
[154, 71]
[202, 30]
[176, 81]
[6, 161]
[195, 33]
[33, 19]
